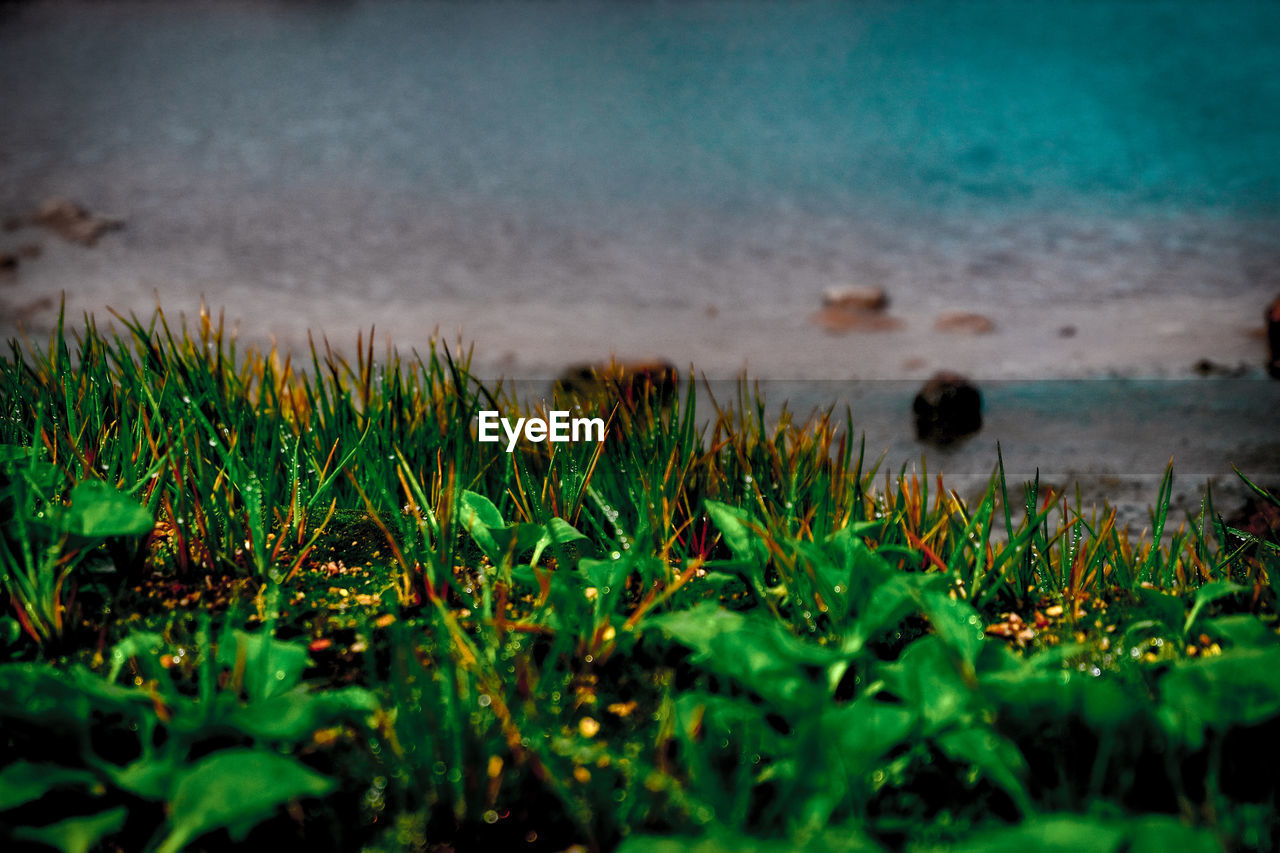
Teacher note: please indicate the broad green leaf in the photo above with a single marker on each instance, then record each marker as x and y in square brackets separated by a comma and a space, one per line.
[75, 834]
[1242, 630]
[759, 653]
[271, 666]
[1162, 833]
[23, 782]
[236, 789]
[866, 729]
[481, 519]
[991, 755]
[1047, 834]
[1239, 688]
[958, 624]
[1070, 833]
[890, 601]
[562, 532]
[144, 646]
[1040, 695]
[98, 511]
[1206, 595]
[298, 714]
[927, 680]
[65, 699]
[149, 777]
[736, 525]
[1168, 610]
[557, 531]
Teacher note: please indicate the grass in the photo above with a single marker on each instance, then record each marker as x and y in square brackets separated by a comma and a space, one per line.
[250, 601]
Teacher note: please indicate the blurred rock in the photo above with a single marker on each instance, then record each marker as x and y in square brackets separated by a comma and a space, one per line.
[1259, 518]
[1067, 332]
[627, 382]
[852, 308]
[947, 409]
[28, 251]
[1207, 367]
[1273, 338]
[838, 321]
[965, 323]
[855, 298]
[72, 222]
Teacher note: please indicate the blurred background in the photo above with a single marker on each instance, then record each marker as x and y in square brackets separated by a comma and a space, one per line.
[1088, 190]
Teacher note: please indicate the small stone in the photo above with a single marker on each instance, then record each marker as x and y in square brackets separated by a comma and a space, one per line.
[630, 382]
[838, 321]
[855, 298]
[947, 408]
[965, 323]
[72, 222]
[1067, 332]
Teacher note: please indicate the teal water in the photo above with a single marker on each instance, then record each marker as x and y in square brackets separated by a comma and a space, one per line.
[662, 153]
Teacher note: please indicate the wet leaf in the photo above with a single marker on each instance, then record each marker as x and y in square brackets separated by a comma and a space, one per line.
[236, 789]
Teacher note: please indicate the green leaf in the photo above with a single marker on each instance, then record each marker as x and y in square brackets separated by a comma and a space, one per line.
[24, 782]
[481, 518]
[736, 525]
[1047, 834]
[271, 666]
[926, 678]
[958, 624]
[236, 789]
[867, 729]
[98, 511]
[890, 601]
[75, 834]
[1069, 833]
[1239, 688]
[296, 715]
[1161, 833]
[1167, 610]
[1242, 630]
[759, 653]
[991, 755]
[1205, 596]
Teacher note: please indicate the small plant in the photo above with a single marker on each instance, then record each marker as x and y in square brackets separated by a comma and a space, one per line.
[323, 614]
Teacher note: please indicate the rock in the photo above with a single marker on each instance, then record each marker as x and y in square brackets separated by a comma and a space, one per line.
[1259, 518]
[72, 222]
[1067, 332]
[854, 308]
[1207, 367]
[947, 409]
[8, 261]
[855, 298]
[838, 321]
[964, 322]
[628, 382]
[1273, 337]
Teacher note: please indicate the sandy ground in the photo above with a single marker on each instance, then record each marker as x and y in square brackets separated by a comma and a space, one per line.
[1105, 408]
